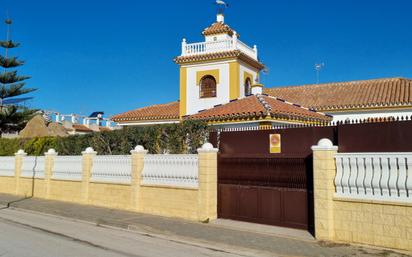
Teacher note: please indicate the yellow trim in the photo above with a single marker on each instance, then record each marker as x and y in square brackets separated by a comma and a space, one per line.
[247, 75]
[253, 63]
[257, 119]
[234, 76]
[215, 73]
[183, 91]
[257, 85]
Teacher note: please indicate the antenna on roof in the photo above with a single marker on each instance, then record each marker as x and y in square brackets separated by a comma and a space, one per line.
[318, 68]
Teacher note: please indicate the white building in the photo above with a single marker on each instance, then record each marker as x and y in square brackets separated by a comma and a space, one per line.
[219, 83]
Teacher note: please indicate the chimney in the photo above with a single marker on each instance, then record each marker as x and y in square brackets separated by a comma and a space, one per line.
[220, 18]
[257, 89]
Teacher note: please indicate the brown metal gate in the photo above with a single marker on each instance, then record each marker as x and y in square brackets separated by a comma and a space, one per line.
[266, 189]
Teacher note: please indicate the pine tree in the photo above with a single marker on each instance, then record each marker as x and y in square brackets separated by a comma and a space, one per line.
[13, 117]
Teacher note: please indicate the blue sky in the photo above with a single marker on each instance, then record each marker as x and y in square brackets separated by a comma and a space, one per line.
[115, 56]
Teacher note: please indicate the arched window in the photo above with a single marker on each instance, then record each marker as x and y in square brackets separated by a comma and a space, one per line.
[248, 87]
[207, 87]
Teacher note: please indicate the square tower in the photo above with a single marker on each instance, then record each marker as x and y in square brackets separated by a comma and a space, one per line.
[216, 71]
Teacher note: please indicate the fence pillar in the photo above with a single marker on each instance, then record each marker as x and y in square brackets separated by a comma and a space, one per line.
[207, 195]
[324, 171]
[88, 155]
[48, 170]
[17, 168]
[138, 155]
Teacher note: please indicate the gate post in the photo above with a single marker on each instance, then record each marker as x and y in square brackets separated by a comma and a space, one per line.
[324, 171]
[17, 168]
[88, 155]
[138, 155]
[207, 194]
[48, 170]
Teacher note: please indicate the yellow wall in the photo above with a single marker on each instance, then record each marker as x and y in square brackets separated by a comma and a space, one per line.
[110, 195]
[383, 224]
[183, 91]
[387, 225]
[234, 90]
[7, 185]
[194, 204]
[170, 202]
[215, 73]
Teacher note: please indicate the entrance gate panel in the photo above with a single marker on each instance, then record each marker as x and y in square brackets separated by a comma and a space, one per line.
[264, 190]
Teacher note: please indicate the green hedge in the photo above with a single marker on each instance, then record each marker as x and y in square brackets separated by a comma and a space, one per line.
[184, 137]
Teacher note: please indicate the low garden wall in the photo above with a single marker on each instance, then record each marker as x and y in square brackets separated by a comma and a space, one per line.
[363, 197]
[183, 186]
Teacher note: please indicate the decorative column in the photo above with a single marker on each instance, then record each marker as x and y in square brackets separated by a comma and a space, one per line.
[138, 155]
[88, 155]
[17, 168]
[235, 38]
[48, 170]
[184, 46]
[324, 171]
[256, 51]
[207, 194]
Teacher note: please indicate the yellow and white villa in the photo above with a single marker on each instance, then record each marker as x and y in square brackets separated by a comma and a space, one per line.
[219, 83]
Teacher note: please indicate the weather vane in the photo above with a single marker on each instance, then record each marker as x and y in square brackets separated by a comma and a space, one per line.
[221, 6]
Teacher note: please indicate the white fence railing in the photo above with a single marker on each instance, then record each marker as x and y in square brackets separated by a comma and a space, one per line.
[218, 46]
[7, 166]
[112, 169]
[33, 166]
[374, 176]
[67, 168]
[171, 170]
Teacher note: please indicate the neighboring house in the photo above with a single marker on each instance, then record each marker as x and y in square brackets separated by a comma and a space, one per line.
[219, 83]
[90, 124]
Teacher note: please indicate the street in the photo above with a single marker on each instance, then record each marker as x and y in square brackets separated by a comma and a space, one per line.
[35, 235]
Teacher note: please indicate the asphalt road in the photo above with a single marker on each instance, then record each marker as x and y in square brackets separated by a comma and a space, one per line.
[36, 235]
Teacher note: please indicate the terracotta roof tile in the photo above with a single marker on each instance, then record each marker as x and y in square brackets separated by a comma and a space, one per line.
[346, 95]
[260, 106]
[81, 128]
[217, 28]
[169, 111]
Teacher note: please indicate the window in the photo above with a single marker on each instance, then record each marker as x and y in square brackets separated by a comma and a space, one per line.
[207, 87]
[248, 87]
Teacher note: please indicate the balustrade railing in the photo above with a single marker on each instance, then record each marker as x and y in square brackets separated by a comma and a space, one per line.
[218, 46]
[33, 167]
[112, 169]
[7, 166]
[67, 168]
[171, 170]
[374, 176]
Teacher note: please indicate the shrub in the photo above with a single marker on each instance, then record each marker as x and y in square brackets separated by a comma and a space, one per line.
[183, 137]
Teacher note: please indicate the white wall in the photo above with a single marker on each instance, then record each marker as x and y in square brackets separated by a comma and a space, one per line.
[342, 116]
[194, 103]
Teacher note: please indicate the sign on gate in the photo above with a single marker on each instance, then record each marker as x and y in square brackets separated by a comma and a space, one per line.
[274, 143]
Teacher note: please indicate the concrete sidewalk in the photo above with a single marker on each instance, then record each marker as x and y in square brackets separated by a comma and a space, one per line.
[214, 234]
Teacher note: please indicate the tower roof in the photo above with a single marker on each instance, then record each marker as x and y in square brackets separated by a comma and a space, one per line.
[219, 27]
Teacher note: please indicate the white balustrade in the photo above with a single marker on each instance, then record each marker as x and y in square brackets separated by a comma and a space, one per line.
[171, 170]
[112, 169]
[67, 168]
[374, 176]
[216, 47]
[7, 166]
[33, 167]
